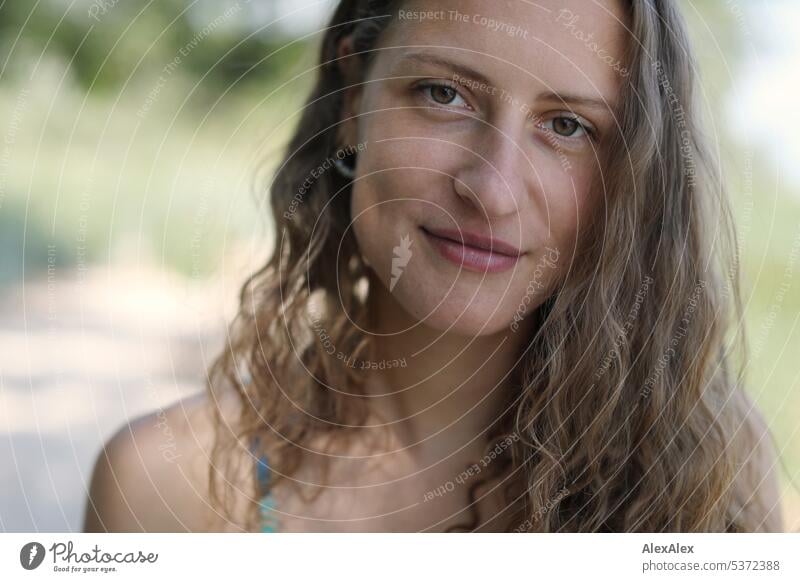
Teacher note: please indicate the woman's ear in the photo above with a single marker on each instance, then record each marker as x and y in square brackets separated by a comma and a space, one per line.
[349, 65]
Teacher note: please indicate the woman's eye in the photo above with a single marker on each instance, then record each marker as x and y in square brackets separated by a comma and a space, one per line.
[441, 94]
[567, 127]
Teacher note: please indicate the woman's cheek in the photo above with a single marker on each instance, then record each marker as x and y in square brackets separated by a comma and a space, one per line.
[568, 205]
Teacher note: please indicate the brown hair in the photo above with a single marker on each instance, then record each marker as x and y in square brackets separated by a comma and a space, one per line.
[628, 400]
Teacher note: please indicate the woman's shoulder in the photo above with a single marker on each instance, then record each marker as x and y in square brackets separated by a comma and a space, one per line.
[757, 487]
[152, 474]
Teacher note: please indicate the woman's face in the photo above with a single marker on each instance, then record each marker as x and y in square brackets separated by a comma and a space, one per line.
[479, 124]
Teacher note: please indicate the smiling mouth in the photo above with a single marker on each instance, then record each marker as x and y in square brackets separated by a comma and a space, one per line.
[472, 251]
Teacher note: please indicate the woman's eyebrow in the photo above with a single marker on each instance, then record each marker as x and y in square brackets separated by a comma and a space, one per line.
[468, 72]
[598, 103]
[427, 58]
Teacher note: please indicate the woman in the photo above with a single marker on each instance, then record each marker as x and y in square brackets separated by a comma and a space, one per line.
[498, 301]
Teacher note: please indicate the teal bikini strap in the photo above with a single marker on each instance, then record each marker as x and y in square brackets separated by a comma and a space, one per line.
[269, 523]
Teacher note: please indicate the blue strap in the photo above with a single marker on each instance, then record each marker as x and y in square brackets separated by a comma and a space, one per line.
[262, 471]
[269, 523]
[262, 466]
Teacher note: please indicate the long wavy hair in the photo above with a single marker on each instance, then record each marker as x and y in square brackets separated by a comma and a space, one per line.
[630, 388]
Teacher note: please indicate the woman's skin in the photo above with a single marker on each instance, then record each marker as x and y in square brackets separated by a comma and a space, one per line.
[502, 160]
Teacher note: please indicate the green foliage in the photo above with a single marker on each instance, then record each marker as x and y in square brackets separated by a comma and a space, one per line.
[106, 47]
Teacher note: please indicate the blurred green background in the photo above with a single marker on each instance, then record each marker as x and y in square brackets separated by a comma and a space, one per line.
[137, 141]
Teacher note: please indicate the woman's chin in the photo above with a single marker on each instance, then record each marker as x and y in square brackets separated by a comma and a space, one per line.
[452, 313]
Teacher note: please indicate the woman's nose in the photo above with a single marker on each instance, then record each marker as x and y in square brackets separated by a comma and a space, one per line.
[491, 177]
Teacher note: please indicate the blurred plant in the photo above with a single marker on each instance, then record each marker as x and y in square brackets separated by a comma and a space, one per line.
[105, 47]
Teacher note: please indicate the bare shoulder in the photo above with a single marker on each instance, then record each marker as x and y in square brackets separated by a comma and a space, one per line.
[152, 474]
[757, 484]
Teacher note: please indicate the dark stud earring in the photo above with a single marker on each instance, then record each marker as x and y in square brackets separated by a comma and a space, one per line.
[348, 170]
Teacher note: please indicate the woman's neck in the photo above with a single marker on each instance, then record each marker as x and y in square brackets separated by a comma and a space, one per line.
[438, 390]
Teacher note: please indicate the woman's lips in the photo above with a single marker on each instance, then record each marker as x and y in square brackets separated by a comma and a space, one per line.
[476, 253]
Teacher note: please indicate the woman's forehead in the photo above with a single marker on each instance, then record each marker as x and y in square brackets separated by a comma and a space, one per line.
[519, 44]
